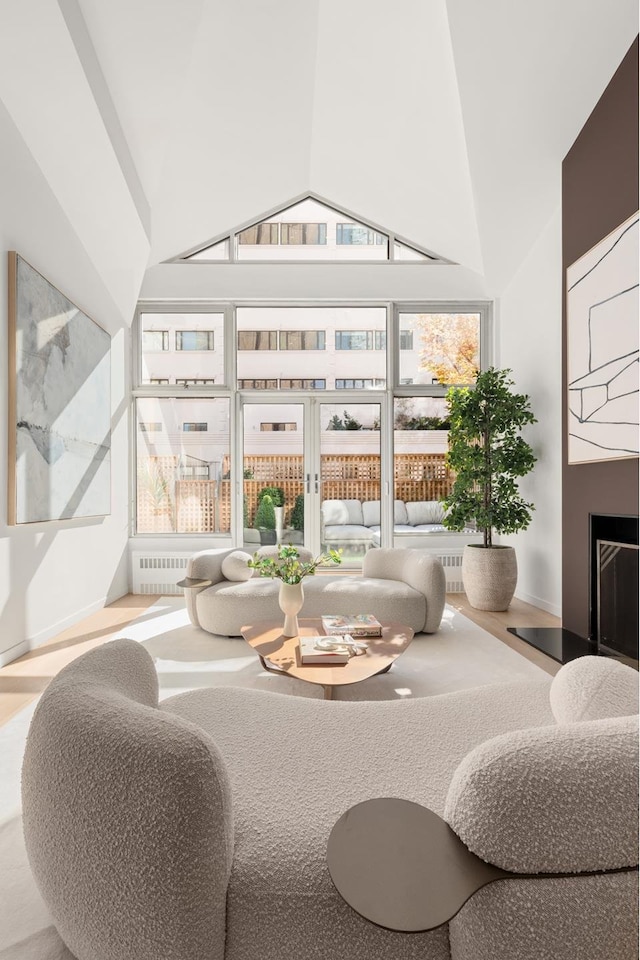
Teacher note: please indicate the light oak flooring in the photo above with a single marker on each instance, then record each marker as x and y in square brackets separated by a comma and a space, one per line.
[22, 680]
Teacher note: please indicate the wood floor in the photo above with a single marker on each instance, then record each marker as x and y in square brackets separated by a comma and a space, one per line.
[22, 680]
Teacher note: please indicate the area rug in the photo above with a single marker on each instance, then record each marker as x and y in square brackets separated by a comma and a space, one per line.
[461, 655]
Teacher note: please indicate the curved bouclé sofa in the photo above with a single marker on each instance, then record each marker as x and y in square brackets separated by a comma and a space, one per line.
[407, 586]
[196, 829]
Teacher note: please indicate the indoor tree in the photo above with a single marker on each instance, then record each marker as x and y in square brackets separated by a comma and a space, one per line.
[488, 454]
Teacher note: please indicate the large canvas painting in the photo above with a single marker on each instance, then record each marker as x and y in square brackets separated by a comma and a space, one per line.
[602, 349]
[59, 404]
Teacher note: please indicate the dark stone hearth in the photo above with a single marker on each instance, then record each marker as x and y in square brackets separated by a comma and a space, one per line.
[562, 645]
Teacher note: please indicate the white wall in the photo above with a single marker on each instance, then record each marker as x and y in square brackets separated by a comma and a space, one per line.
[529, 332]
[51, 574]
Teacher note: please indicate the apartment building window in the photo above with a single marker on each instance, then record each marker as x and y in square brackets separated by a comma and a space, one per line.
[261, 233]
[153, 427]
[406, 339]
[195, 382]
[249, 384]
[361, 340]
[302, 339]
[194, 340]
[161, 381]
[277, 427]
[153, 340]
[350, 234]
[370, 383]
[194, 426]
[257, 339]
[303, 384]
[303, 233]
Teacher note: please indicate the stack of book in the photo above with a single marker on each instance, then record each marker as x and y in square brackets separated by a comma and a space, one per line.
[318, 649]
[357, 625]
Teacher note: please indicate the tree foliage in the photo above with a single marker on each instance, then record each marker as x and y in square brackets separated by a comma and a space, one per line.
[488, 454]
[449, 346]
[349, 422]
[265, 514]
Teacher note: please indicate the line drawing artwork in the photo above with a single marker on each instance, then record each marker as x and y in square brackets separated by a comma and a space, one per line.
[602, 349]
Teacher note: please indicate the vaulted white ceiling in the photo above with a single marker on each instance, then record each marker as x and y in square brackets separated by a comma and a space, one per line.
[445, 121]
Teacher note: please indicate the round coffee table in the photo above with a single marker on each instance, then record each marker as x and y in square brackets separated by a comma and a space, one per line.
[280, 654]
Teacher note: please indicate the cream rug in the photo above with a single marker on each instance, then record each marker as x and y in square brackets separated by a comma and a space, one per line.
[461, 655]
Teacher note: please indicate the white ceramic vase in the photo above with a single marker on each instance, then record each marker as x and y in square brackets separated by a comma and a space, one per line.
[291, 598]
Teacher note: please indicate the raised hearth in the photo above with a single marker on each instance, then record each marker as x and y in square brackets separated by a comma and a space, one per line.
[560, 644]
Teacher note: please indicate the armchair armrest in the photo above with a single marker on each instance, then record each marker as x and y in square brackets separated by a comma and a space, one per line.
[204, 569]
[556, 799]
[419, 570]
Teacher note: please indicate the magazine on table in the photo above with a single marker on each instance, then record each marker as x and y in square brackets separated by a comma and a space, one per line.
[357, 624]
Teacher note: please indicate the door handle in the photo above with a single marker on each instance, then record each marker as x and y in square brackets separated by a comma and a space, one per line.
[317, 480]
[308, 483]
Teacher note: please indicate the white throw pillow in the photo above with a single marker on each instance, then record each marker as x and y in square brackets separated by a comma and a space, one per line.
[234, 566]
[594, 688]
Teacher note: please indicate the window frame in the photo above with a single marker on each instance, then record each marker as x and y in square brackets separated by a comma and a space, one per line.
[229, 389]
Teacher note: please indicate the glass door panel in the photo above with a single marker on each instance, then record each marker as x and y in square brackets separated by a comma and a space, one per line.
[274, 475]
[349, 448]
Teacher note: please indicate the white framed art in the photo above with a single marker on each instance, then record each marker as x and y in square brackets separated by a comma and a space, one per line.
[59, 404]
[602, 349]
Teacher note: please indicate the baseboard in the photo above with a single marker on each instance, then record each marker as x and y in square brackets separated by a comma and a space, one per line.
[19, 649]
[551, 608]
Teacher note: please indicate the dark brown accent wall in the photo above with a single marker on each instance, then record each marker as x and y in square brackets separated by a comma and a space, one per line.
[599, 191]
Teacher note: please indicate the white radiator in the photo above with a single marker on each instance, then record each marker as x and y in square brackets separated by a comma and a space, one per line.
[158, 573]
[452, 563]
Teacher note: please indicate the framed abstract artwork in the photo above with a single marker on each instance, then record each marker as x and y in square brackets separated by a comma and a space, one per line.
[602, 349]
[59, 404]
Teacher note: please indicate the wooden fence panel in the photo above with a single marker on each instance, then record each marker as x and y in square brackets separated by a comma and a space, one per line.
[166, 504]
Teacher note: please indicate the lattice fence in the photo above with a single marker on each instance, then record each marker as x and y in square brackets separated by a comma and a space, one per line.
[166, 504]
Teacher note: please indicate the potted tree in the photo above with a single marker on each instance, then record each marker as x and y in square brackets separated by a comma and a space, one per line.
[277, 496]
[488, 455]
[266, 520]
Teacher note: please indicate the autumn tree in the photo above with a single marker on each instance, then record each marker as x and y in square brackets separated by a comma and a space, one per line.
[450, 346]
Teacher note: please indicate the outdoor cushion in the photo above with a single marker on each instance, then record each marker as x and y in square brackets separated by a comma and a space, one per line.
[347, 531]
[342, 511]
[371, 512]
[425, 511]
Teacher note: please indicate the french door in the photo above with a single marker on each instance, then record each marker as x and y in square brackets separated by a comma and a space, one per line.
[296, 454]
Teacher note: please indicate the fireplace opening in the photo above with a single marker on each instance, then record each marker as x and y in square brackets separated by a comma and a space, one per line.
[614, 586]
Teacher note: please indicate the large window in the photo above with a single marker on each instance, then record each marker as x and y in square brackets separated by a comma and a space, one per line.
[447, 347]
[180, 487]
[187, 380]
[181, 347]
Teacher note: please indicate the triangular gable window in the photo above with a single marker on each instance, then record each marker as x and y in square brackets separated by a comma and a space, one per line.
[309, 230]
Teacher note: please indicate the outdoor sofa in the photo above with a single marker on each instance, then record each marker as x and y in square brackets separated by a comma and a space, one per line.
[197, 828]
[357, 522]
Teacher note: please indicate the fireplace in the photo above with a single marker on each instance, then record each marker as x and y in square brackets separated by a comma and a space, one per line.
[614, 586]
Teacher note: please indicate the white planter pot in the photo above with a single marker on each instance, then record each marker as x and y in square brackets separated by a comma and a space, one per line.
[489, 576]
[291, 598]
[279, 512]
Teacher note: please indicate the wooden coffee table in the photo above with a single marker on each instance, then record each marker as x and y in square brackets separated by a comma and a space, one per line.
[280, 654]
